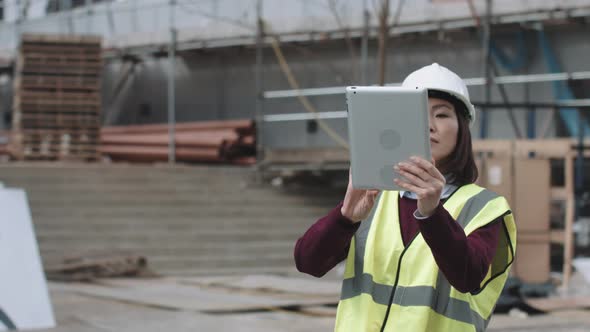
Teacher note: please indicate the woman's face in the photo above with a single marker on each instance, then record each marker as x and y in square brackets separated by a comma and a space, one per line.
[444, 128]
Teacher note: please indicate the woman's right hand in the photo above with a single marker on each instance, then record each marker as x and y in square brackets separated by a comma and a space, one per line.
[357, 202]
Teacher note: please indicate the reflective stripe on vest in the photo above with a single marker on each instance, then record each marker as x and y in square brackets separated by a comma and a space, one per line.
[438, 297]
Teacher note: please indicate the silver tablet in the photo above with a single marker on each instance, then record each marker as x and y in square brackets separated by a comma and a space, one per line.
[386, 125]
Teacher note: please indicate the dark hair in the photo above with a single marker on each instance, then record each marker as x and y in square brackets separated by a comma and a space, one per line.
[460, 164]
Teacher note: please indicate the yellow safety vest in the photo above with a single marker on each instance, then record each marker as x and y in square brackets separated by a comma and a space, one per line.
[385, 279]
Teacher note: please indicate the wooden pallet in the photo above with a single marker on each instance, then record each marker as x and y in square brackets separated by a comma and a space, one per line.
[57, 99]
[32, 96]
[45, 82]
[56, 106]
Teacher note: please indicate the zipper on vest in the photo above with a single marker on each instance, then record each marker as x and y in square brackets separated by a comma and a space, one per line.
[399, 265]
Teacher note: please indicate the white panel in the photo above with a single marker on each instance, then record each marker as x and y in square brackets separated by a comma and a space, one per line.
[24, 300]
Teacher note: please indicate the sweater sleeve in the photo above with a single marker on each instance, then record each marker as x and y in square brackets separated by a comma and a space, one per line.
[464, 260]
[325, 243]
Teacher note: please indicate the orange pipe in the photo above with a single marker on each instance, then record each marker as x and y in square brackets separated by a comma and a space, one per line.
[151, 154]
[163, 128]
[186, 139]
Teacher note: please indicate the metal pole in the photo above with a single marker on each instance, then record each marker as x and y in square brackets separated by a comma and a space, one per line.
[88, 4]
[258, 78]
[531, 112]
[483, 131]
[171, 88]
[134, 16]
[504, 96]
[365, 45]
[579, 186]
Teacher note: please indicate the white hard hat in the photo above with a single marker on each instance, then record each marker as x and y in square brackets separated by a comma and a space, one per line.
[438, 78]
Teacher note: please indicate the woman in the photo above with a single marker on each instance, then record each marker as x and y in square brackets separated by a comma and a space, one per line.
[434, 257]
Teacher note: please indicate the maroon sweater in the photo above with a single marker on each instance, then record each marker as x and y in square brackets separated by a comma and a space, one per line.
[464, 260]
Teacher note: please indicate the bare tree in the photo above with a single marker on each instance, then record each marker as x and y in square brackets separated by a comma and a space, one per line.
[334, 8]
[383, 16]
[384, 30]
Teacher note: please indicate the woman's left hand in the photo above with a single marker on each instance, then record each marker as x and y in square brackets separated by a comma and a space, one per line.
[424, 179]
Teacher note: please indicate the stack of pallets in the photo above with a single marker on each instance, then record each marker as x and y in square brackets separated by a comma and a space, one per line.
[57, 98]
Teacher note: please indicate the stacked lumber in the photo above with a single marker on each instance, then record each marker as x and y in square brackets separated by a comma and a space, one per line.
[57, 98]
[231, 141]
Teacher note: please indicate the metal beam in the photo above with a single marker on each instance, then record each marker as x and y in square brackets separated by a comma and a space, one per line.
[304, 116]
[476, 81]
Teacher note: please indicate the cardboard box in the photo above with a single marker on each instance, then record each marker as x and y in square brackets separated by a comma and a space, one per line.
[495, 174]
[532, 259]
[532, 194]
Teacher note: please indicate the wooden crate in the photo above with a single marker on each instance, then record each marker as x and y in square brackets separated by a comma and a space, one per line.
[57, 99]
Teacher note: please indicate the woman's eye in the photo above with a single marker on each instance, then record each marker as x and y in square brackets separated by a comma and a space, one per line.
[442, 115]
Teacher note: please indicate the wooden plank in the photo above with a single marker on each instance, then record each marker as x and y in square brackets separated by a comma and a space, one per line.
[62, 51]
[57, 116]
[559, 193]
[56, 143]
[557, 236]
[54, 148]
[182, 297]
[558, 303]
[568, 251]
[33, 96]
[60, 62]
[54, 65]
[268, 284]
[64, 127]
[534, 237]
[497, 148]
[319, 311]
[549, 148]
[57, 106]
[59, 123]
[59, 56]
[56, 82]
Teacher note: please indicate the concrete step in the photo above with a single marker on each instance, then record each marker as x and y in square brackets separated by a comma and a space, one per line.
[157, 226]
[166, 213]
[180, 248]
[284, 250]
[81, 203]
[185, 220]
[120, 237]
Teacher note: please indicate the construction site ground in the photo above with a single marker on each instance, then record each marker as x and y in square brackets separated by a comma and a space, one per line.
[236, 303]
